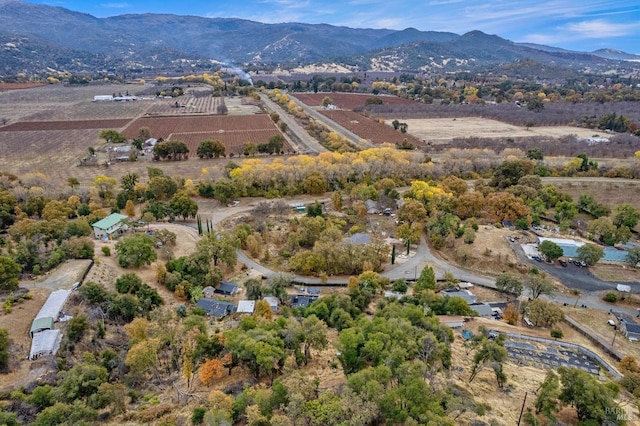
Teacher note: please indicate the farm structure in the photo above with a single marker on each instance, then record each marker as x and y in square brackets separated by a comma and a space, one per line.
[232, 131]
[349, 101]
[46, 340]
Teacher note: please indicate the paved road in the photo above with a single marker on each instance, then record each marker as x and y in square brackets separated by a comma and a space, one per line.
[302, 137]
[342, 131]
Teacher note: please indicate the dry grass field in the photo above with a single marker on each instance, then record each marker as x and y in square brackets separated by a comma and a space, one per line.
[349, 101]
[443, 130]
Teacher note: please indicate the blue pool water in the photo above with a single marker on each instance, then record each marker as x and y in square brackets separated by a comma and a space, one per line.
[610, 253]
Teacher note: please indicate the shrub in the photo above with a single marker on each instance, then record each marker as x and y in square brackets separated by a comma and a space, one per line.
[198, 415]
[556, 333]
[106, 251]
[610, 297]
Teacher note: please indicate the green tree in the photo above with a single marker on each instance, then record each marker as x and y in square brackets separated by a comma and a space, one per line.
[626, 215]
[9, 274]
[205, 149]
[565, 211]
[112, 136]
[219, 246]
[128, 182]
[590, 253]
[427, 279]
[547, 396]
[550, 250]
[315, 335]
[507, 283]
[253, 289]
[136, 250]
[76, 327]
[5, 342]
[182, 205]
[633, 257]
[593, 401]
[535, 104]
[8, 204]
[81, 381]
[539, 284]
[491, 353]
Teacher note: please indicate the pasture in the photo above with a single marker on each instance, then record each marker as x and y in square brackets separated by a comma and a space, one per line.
[443, 130]
[49, 128]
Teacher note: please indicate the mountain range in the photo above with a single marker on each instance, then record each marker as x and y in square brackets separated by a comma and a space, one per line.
[38, 38]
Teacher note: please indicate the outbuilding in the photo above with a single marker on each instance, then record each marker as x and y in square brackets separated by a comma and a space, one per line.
[110, 227]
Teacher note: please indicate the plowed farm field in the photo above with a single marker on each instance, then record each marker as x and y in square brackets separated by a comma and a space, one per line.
[371, 130]
[27, 126]
[163, 127]
[233, 140]
[348, 101]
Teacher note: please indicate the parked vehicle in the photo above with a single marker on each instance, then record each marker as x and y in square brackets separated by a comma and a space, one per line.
[536, 258]
[562, 263]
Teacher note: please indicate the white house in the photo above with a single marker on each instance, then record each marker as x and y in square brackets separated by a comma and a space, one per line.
[110, 227]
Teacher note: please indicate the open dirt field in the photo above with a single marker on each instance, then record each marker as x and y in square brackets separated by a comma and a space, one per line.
[443, 130]
[233, 140]
[31, 126]
[163, 127]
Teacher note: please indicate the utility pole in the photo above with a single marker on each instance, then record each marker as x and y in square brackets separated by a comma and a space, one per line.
[615, 333]
[522, 409]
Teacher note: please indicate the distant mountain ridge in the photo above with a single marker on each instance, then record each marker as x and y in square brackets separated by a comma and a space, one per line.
[35, 38]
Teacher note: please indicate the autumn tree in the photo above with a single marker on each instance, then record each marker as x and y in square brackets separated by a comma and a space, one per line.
[105, 185]
[543, 313]
[503, 206]
[130, 209]
[211, 370]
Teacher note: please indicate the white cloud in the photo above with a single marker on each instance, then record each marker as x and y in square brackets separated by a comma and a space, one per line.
[599, 28]
[115, 5]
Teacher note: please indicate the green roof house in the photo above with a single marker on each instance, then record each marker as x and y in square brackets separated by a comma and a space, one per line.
[110, 227]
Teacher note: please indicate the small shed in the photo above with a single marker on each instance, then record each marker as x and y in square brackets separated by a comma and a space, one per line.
[110, 227]
[451, 321]
[246, 306]
[227, 288]
[273, 302]
[208, 291]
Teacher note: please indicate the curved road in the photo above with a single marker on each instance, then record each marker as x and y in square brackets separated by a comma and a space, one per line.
[422, 257]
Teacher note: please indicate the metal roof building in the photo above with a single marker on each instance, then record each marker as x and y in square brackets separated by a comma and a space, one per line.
[45, 342]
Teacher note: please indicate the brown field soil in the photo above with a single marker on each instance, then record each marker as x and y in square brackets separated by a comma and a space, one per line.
[29, 126]
[369, 129]
[17, 86]
[163, 127]
[443, 130]
[490, 253]
[187, 105]
[609, 192]
[233, 140]
[349, 101]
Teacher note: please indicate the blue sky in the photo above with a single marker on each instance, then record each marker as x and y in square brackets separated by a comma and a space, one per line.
[570, 24]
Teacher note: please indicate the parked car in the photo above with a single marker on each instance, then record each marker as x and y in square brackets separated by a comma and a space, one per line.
[562, 262]
[536, 258]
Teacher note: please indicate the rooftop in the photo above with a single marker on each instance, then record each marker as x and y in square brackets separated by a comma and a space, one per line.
[109, 221]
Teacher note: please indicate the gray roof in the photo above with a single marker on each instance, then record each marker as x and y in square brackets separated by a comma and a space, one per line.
[302, 300]
[360, 238]
[632, 327]
[227, 287]
[465, 294]
[216, 308]
[483, 309]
